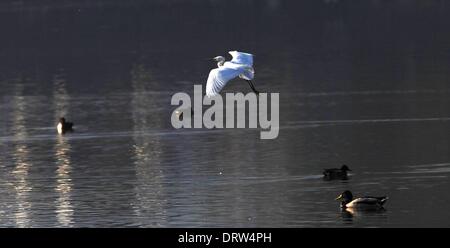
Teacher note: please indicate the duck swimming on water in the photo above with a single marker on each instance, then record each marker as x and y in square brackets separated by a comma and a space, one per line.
[336, 173]
[64, 126]
[363, 203]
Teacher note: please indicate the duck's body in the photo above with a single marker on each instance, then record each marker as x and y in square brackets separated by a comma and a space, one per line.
[336, 173]
[64, 126]
[366, 202]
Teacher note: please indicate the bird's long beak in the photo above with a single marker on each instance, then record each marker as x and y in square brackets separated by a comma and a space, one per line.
[339, 197]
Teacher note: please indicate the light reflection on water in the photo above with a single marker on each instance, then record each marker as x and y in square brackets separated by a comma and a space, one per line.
[64, 209]
[22, 165]
[151, 199]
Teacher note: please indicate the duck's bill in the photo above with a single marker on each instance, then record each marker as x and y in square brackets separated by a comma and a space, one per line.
[339, 197]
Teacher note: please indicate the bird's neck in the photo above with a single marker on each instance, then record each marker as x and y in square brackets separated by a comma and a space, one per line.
[345, 201]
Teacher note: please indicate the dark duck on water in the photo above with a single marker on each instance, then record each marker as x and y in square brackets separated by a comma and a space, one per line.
[336, 173]
[64, 126]
[363, 203]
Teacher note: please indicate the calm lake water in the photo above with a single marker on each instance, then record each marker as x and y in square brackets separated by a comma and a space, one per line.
[365, 83]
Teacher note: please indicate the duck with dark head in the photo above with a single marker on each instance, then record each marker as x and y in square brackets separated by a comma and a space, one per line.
[363, 203]
[336, 173]
[64, 126]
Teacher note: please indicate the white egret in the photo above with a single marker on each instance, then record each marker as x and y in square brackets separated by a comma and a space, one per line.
[241, 65]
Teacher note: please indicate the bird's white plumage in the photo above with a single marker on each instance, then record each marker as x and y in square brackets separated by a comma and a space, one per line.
[365, 202]
[241, 65]
[241, 58]
[59, 128]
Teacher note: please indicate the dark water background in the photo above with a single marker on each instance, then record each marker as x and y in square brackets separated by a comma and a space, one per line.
[364, 83]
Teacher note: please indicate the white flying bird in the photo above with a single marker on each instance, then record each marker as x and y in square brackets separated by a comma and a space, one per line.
[241, 65]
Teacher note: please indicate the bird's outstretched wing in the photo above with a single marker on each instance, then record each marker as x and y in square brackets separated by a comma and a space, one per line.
[248, 74]
[219, 77]
[241, 58]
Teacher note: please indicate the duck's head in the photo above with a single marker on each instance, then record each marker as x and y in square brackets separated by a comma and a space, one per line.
[220, 60]
[62, 120]
[345, 197]
[345, 168]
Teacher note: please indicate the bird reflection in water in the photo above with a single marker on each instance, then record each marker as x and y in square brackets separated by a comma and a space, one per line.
[350, 214]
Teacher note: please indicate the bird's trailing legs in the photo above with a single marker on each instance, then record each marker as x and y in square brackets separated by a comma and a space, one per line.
[252, 86]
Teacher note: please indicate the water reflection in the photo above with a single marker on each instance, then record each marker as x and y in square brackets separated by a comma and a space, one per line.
[22, 186]
[149, 191]
[21, 164]
[352, 216]
[64, 185]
